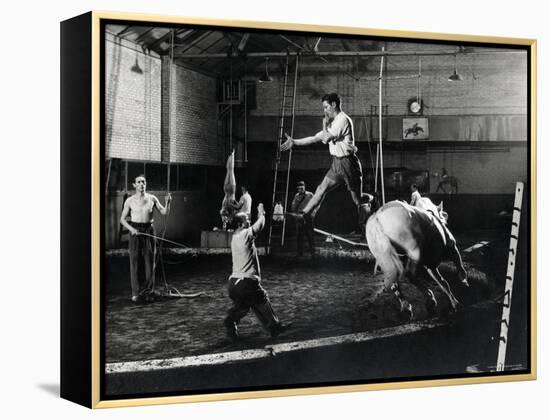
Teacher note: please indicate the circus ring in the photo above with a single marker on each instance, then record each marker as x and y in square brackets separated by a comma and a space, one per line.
[345, 328]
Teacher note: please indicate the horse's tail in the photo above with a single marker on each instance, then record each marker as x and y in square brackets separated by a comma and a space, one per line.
[384, 252]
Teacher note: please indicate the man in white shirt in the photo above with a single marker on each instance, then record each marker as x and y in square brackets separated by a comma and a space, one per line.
[244, 286]
[245, 202]
[415, 195]
[346, 169]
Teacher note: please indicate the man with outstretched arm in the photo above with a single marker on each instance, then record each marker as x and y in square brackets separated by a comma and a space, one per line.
[244, 285]
[346, 169]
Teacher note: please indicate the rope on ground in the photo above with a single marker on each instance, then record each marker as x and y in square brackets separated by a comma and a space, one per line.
[169, 290]
[158, 238]
[332, 235]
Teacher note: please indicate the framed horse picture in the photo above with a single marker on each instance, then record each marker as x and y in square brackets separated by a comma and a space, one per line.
[415, 129]
[243, 214]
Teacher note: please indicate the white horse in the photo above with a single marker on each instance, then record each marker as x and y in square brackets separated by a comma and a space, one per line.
[420, 235]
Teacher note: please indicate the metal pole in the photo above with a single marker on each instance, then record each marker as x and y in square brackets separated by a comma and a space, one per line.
[246, 122]
[290, 151]
[380, 129]
[376, 170]
[170, 104]
[231, 106]
[125, 176]
[108, 175]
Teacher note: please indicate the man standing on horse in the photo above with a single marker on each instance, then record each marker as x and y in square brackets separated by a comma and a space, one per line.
[346, 169]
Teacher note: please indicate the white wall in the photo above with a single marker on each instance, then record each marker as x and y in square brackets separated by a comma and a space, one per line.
[30, 304]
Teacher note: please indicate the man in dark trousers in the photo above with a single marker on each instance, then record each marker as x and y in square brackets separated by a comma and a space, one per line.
[141, 207]
[304, 226]
[244, 287]
[346, 169]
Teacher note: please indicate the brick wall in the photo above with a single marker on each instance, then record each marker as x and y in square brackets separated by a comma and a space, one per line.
[132, 102]
[194, 119]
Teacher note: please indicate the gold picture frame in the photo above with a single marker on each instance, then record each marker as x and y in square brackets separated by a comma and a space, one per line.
[87, 371]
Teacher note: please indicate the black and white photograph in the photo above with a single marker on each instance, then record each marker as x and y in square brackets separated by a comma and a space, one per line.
[142, 281]
[297, 208]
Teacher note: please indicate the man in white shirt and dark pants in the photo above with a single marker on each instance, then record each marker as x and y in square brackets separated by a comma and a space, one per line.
[244, 286]
[245, 202]
[346, 169]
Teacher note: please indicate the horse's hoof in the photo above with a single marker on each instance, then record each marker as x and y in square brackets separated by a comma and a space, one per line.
[408, 310]
[431, 304]
[456, 307]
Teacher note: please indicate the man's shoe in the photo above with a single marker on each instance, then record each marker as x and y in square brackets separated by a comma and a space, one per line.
[279, 328]
[137, 300]
[231, 329]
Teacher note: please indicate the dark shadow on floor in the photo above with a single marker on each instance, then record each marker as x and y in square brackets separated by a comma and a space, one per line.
[52, 389]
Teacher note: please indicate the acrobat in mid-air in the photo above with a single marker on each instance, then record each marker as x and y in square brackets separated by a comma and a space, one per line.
[230, 206]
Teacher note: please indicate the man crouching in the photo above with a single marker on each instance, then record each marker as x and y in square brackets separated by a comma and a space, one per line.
[244, 286]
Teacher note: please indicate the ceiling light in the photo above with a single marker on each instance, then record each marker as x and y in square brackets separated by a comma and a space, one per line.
[455, 77]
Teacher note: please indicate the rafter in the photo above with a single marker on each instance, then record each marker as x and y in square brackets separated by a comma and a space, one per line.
[243, 42]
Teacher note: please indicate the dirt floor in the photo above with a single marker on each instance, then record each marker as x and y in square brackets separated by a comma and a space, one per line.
[321, 297]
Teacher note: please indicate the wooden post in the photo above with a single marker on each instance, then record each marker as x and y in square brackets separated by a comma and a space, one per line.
[507, 299]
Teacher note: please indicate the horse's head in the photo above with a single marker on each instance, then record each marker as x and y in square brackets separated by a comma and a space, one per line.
[443, 215]
[426, 204]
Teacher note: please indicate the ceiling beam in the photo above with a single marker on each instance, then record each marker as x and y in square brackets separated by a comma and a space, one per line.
[180, 49]
[180, 35]
[123, 31]
[352, 54]
[143, 34]
[243, 42]
[316, 46]
[291, 42]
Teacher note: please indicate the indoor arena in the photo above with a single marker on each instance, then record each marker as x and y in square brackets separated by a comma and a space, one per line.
[292, 209]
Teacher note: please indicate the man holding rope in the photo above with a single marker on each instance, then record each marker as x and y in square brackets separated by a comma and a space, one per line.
[142, 246]
[346, 169]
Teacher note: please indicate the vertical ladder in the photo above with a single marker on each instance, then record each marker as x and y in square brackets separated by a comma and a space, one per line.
[286, 125]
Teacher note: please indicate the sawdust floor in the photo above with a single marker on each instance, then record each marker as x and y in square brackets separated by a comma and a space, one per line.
[320, 297]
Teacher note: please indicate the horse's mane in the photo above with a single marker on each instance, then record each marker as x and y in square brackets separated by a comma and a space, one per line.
[426, 204]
